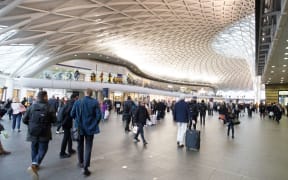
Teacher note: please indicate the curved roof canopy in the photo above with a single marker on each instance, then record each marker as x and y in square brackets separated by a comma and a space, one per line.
[197, 41]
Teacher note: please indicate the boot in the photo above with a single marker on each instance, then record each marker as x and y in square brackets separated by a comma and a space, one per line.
[2, 151]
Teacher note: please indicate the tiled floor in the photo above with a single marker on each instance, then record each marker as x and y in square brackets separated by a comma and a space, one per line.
[258, 152]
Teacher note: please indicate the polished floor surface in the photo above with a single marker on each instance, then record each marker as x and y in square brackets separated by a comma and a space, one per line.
[258, 152]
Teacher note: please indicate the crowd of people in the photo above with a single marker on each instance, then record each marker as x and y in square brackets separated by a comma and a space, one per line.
[85, 114]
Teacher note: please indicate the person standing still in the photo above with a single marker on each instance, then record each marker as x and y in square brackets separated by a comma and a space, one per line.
[87, 115]
[202, 109]
[181, 115]
[39, 118]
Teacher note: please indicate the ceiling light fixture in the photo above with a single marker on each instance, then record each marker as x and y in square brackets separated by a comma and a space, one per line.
[283, 70]
[273, 66]
[75, 55]
[284, 65]
[272, 71]
[269, 78]
[282, 77]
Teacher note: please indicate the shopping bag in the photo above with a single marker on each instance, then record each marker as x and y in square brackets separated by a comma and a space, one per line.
[106, 114]
[135, 129]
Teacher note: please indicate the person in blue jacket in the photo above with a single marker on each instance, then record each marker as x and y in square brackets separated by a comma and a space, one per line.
[181, 116]
[87, 115]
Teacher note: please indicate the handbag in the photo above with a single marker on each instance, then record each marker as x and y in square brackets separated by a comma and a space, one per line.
[75, 134]
[135, 129]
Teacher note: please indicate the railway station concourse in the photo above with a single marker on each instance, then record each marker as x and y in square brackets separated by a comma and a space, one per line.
[232, 51]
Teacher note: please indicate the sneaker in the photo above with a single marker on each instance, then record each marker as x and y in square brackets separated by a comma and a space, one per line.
[33, 171]
[145, 143]
[19, 130]
[62, 156]
[86, 172]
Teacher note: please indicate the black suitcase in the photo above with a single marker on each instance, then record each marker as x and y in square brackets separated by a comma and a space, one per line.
[192, 140]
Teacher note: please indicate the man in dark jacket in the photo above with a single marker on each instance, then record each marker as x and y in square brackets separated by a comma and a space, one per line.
[87, 115]
[202, 110]
[67, 122]
[127, 113]
[46, 116]
[181, 115]
[141, 116]
[194, 111]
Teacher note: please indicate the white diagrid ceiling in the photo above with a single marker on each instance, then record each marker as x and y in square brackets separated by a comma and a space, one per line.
[199, 41]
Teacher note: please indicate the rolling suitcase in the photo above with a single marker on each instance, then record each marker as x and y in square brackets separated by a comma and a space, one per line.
[192, 140]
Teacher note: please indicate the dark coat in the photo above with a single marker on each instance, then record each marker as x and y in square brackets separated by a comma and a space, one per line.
[141, 115]
[47, 135]
[181, 112]
[67, 122]
[87, 115]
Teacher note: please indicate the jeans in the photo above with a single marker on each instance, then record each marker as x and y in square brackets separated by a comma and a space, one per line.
[202, 117]
[128, 120]
[85, 158]
[230, 126]
[141, 132]
[182, 127]
[16, 118]
[66, 140]
[38, 151]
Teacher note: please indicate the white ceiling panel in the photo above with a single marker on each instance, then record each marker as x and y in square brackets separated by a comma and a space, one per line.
[207, 41]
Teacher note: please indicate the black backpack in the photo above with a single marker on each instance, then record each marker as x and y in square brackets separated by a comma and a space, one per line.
[39, 120]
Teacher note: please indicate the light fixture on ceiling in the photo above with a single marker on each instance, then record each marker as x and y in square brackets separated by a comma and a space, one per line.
[269, 78]
[283, 71]
[273, 66]
[282, 77]
[272, 71]
[284, 65]
[75, 55]
[89, 54]
[286, 47]
[285, 58]
[286, 53]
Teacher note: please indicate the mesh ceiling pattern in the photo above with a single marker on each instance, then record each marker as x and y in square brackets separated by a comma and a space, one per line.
[190, 40]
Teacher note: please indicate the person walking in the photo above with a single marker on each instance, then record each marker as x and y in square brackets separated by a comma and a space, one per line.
[202, 110]
[194, 111]
[39, 117]
[181, 115]
[87, 115]
[17, 110]
[127, 113]
[141, 116]
[230, 116]
[67, 123]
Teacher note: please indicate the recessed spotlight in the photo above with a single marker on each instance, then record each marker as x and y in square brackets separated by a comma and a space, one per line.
[263, 39]
[285, 58]
[273, 66]
[286, 53]
[284, 65]
[272, 71]
[286, 47]
[75, 55]
[269, 78]
[89, 54]
[283, 70]
[282, 77]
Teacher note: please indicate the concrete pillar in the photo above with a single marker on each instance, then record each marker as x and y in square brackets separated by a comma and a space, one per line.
[10, 87]
[257, 89]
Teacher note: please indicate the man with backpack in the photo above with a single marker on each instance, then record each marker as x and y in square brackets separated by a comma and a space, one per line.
[67, 123]
[202, 110]
[39, 117]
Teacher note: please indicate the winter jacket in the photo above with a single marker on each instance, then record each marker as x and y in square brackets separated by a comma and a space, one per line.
[47, 135]
[181, 112]
[141, 115]
[87, 115]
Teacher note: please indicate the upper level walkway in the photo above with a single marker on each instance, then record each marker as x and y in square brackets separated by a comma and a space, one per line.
[258, 152]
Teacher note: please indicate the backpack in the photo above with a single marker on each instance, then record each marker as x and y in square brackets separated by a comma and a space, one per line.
[39, 120]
